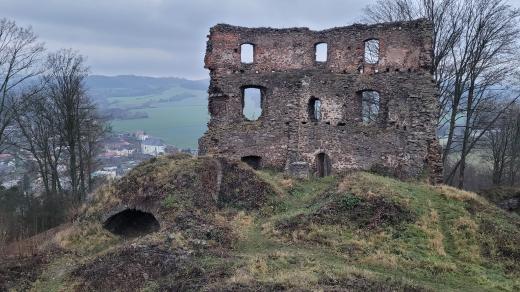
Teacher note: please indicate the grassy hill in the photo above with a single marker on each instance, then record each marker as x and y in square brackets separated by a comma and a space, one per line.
[226, 227]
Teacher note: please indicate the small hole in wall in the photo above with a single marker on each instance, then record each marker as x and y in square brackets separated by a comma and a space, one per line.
[397, 70]
[304, 123]
[328, 123]
[387, 69]
[342, 124]
[404, 128]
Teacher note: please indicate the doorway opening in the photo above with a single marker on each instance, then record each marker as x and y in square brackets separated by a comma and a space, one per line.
[323, 165]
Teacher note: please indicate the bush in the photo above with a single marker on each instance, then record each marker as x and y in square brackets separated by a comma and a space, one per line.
[350, 201]
[169, 202]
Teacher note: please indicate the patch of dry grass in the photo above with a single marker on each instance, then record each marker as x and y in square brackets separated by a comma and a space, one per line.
[458, 194]
[381, 258]
[465, 232]
[104, 198]
[241, 223]
[429, 223]
[88, 238]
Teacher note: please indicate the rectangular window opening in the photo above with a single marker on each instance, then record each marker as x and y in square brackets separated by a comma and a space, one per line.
[372, 51]
[369, 106]
[321, 52]
[247, 52]
[252, 105]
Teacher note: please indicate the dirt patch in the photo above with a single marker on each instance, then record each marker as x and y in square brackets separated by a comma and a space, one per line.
[360, 283]
[18, 274]
[253, 287]
[358, 212]
[203, 228]
[127, 269]
[241, 188]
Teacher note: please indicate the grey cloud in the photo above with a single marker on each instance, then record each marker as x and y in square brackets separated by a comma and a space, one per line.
[160, 37]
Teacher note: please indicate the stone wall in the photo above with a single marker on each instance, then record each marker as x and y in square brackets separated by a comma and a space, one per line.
[401, 141]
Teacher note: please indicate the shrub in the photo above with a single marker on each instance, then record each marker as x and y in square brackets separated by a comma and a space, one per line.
[350, 201]
[169, 202]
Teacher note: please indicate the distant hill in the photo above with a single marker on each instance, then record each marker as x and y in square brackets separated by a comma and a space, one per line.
[174, 109]
[100, 86]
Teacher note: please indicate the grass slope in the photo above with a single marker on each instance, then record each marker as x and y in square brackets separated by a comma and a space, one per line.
[354, 232]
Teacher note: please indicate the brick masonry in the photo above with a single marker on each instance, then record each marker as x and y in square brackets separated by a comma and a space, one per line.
[402, 142]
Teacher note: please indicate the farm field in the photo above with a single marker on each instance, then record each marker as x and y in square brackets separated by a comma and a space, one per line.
[176, 109]
[177, 114]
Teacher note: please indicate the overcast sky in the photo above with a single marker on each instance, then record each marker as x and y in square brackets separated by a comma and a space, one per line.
[164, 37]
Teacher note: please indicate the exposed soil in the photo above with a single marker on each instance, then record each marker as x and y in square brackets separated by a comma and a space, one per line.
[127, 269]
[19, 273]
[362, 213]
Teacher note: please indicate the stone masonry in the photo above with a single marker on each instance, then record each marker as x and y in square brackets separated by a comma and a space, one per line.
[401, 141]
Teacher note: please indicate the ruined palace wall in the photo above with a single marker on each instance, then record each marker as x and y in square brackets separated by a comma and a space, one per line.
[285, 70]
[403, 46]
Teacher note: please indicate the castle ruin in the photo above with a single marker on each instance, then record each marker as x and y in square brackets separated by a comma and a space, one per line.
[359, 97]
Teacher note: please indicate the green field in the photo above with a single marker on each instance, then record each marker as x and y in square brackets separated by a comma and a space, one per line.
[178, 122]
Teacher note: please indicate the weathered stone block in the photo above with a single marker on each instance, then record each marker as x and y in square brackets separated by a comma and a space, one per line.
[299, 169]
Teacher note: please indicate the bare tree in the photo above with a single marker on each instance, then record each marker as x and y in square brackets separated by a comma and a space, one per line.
[474, 54]
[81, 128]
[484, 60]
[94, 129]
[19, 56]
[40, 128]
[64, 82]
[504, 143]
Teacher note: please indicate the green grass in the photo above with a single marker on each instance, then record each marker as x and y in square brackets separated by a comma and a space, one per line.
[179, 123]
[434, 252]
[311, 234]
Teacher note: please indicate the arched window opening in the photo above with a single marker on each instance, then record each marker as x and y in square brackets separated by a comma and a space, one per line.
[372, 51]
[252, 103]
[323, 165]
[370, 104]
[132, 223]
[254, 161]
[314, 109]
[320, 52]
[247, 53]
